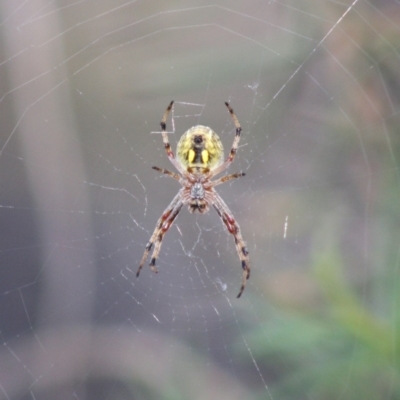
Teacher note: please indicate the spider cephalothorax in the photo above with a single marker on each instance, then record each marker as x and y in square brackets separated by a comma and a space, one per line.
[200, 157]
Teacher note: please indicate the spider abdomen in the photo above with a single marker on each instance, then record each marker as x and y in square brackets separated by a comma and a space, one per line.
[200, 149]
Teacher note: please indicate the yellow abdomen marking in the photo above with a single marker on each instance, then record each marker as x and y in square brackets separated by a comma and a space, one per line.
[204, 157]
[191, 155]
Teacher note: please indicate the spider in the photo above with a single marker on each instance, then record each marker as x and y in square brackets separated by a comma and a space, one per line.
[200, 157]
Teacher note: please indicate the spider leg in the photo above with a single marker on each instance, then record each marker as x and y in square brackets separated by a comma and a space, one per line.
[166, 172]
[162, 226]
[167, 224]
[227, 178]
[235, 143]
[167, 146]
[233, 228]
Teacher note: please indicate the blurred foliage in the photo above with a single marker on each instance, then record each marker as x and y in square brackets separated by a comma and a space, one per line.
[338, 350]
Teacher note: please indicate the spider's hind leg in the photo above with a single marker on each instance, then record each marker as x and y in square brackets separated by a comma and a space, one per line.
[233, 228]
[149, 245]
[162, 226]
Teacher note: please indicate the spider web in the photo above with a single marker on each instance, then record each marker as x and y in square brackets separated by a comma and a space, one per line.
[315, 86]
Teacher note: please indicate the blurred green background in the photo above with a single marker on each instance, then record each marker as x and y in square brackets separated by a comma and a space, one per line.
[316, 88]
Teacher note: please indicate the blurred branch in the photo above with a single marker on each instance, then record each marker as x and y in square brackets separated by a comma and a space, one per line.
[53, 160]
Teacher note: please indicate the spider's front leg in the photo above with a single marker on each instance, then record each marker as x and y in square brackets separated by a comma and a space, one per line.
[167, 145]
[163, 224]
[235, 143]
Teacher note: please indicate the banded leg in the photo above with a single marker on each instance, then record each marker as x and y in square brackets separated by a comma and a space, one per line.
[227, 178]
[235, 143]
[163, 224]
[233, 228]
[167, 224]
[166, 172]
[167, 145]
